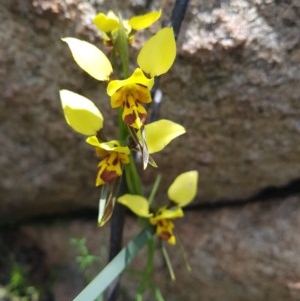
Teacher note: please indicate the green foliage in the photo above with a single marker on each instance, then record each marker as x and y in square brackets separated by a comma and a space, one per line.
[19, 286]
[84, 259]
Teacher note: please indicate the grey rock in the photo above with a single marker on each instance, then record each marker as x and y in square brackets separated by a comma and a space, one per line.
[245, 253]
[234, 86]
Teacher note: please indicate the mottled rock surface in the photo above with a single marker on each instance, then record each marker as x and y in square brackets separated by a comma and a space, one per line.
[245, 253]
[234, 86]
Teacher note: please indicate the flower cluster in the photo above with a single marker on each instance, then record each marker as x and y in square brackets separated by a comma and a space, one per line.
[181, 192]
[129, 94]
[155, 58]
[109, 24]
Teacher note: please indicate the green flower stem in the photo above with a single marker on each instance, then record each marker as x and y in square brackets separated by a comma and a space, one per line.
[132, 178]
[123, 130]
[154, 189]
[121, 50]
[147, 274]
[121, 47]
[131, 182]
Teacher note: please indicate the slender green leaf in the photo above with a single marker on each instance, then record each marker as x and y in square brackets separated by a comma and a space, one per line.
[115, 267]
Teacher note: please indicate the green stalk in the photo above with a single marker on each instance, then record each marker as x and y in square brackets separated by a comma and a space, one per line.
[121, 44]
[121, 50]
[146, 279]
[132, 178]
[131, 181]
[154, 189]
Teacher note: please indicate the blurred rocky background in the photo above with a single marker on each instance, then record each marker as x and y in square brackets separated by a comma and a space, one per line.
[234, 86]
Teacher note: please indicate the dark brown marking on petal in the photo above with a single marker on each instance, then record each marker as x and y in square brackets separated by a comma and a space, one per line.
[108, 176]
[130, 118]
[142, 85]
[127, 104]
[116, 161]
[165, 235]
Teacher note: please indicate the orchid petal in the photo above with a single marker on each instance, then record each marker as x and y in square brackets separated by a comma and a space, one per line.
[110, 146]
[166, 213]
[158, 54]
[90, 58]
[93, 140]
[160, 133]
[107, 23]
[137, 77]
[81, 113]
[114, 146]
[136, 203]
[184, 188]
[144, 21]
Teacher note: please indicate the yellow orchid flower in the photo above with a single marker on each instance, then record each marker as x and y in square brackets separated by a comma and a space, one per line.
[162, 220]
[131, 94]
[114, 156]
[155, 58]
[80, 113]
[109, 23]
[181, 192]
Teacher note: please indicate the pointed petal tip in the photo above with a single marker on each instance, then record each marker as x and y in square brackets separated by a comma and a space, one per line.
[89, 58]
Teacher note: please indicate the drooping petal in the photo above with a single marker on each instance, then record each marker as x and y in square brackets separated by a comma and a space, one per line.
[90, 58]
[158, 54]
[107, 23]
[137, 77]
[144, 21]
[160, 133]
[108, 169]
[81, 113]
[110, 146]
[93, 140]
[136, 203]
[166, 213]
[114, 146]
[184, 188]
